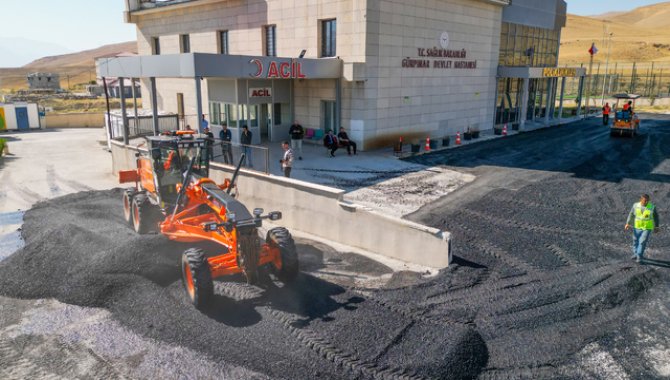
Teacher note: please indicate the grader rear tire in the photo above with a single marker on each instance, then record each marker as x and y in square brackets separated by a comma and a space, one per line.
[196, 277]
[145, 215]
[280, 237]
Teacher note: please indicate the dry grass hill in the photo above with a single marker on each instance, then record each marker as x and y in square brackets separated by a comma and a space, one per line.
[642, 34]
[80, 67]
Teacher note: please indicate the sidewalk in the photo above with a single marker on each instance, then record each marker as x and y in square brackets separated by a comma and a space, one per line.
[369, 167]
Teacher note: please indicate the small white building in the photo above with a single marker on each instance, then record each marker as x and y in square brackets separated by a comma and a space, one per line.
[19, 116]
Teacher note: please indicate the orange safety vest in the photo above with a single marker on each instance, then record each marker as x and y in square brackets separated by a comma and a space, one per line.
[606, 110]
[626, 107]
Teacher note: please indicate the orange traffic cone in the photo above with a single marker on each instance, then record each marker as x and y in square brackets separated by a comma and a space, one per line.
[458, 138]
[427, 144]
[505, 130]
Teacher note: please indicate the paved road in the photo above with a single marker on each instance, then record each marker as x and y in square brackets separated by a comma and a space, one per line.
[543, 266]
[542, 285]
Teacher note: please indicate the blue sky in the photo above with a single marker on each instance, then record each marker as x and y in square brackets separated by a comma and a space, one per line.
[85, 24]
[73, 24]
[595, 7]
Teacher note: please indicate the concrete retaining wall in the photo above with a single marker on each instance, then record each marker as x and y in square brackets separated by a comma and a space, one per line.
[320, 211]
[74, 120]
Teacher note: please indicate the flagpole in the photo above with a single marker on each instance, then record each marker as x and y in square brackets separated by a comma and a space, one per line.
[588, 87]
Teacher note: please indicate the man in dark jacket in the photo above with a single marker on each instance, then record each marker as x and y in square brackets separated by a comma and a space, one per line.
[245, 139]
[297, 133]
[210, 144]
[330, 142]
[226, 149]
[344, 141]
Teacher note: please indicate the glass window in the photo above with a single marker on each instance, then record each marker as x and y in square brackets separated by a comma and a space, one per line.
[253, 115]
[156, 46]
[270, 40]
[185, 42]
[215, 113]
[328, 108]
[223, 42]
[328, 38]
[231, 112]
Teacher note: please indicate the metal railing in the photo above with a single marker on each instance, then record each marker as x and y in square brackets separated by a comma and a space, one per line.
[649, 79]
[138, 5]
[141, 125]
[257, 157]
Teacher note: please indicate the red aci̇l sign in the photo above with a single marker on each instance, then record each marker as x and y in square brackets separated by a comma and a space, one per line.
[283, 70]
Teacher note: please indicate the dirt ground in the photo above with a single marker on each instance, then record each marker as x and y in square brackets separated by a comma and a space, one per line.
[542, 285]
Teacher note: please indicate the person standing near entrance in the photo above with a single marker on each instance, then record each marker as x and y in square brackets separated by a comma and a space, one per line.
[297, 133]
[203, 123]
[210, 144]
[606, 114]
[245, 139]
[645, 219]
[226, 149]
[287, 161]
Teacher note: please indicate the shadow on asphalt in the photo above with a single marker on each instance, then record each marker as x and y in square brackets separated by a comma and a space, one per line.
[466, 263]
[656, 263]
[307, 297]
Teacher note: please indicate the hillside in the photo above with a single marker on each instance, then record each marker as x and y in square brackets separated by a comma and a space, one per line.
[79, 67]
[642, 34]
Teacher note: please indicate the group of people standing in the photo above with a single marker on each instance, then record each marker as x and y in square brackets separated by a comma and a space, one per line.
[330, 141]
[296, 133]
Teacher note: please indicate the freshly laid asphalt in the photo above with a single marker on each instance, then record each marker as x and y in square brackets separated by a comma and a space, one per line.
[541, 286]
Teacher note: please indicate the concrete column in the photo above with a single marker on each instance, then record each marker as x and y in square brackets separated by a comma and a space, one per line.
[137, 119]
[524, 104]
[560, 103]
[198, 102]
[154, 106]
[547, 106]
[124, 117]
[338, 104]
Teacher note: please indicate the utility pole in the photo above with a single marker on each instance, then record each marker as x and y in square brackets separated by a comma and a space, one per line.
[607, 62]
[592, 51]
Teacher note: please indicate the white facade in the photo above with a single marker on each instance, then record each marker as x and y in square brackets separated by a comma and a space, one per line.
[382, 98]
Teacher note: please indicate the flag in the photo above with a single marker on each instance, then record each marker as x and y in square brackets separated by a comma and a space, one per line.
[593, 50]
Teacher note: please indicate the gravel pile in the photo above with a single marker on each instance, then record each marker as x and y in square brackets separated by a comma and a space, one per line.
[78, 250]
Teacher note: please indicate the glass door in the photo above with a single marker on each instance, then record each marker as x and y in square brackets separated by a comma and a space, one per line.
[265, 119]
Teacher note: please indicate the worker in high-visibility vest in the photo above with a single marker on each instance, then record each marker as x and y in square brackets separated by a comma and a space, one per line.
[644, 217]
[606, 114]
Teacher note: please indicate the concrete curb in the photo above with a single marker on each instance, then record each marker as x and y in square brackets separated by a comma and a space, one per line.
[320, 211]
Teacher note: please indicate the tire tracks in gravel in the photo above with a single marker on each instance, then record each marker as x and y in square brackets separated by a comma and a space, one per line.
[318, 343]
[536, 228]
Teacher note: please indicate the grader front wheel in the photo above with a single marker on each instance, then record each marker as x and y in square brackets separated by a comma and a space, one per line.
[248, 256]
[280, 237]
[197, 277]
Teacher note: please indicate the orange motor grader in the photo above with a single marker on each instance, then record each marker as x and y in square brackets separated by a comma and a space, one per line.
[174, 196]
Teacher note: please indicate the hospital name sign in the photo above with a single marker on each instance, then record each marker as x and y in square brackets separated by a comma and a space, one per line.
[423, 62]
